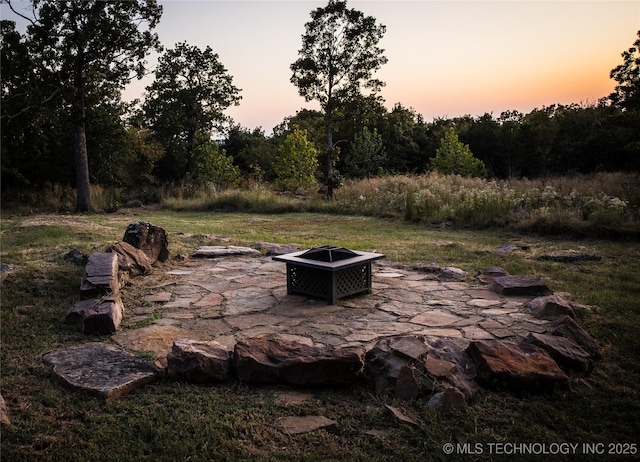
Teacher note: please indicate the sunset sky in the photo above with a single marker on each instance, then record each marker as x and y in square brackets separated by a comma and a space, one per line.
[446, 58]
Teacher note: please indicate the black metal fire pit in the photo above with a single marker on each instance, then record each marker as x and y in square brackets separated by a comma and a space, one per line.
[328, 272]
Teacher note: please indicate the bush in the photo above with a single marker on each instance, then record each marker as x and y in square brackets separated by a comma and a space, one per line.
[455, 158]
[297, 162]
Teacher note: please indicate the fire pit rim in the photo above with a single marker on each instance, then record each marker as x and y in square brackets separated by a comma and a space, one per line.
[360, 258]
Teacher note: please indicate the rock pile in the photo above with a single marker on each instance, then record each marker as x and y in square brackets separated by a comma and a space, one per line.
[100, 309]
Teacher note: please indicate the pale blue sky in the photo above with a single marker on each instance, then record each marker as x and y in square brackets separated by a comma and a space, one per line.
[446, 58]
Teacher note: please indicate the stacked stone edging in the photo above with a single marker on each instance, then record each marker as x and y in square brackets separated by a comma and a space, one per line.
[100, 309]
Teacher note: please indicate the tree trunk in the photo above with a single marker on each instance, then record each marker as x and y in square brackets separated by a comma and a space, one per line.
[83, 187]
[329, 153]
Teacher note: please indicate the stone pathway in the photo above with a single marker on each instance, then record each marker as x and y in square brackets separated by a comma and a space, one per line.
[239, 297]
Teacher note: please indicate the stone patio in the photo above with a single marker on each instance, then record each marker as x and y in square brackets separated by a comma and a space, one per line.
[239, 297]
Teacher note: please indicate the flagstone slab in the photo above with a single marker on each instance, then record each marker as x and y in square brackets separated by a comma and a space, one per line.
[436, 318]
[159, 297]
[223, 251]
[100, 369]
[154, 339]
[295, 425]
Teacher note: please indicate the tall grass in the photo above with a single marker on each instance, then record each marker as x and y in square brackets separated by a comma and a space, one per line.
[604, 203]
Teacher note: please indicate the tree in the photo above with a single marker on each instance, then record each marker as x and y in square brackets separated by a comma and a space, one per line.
[366, 156]
[185, 104]
[297, 163]
[626, 98]
[627, 92]
[95, 48]
[455, 158]
[338, 57]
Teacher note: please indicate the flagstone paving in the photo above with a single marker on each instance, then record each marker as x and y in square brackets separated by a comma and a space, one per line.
[238, 297]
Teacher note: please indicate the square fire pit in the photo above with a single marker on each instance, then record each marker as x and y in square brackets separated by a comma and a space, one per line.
[328, 272]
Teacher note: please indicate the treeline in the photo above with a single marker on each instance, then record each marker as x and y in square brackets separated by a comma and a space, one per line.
[372, 141]
[53, 102]
[554, 140]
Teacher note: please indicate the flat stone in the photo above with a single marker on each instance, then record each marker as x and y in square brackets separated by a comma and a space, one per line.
[247, 321]
[199, 361]
[293, 398]
[567, 354]
[476, 333]
[223, 251]
[517, 366]
[159, 297]
[180, 272]
[100, 369]
[483, 303]
[389, 275]
[487, 275]
[446, 333]
[181, 302]
[519, 285]
[295, 425]
[276, 360]
[438, 367]
[411, 347]
[570, 257]
[398, 414]
[155, 339]
[100, 276]
[436, 318]
[567, 327]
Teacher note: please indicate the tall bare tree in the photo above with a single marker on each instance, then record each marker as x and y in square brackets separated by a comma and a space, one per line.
[338, 58]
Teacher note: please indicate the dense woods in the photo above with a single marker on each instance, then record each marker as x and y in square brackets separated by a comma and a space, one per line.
[180, 134]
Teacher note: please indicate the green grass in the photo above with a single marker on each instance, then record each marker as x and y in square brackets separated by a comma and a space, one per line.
[170, 421]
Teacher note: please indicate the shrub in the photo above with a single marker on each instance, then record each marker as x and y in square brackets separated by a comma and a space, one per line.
[297, 162]
[455, 158]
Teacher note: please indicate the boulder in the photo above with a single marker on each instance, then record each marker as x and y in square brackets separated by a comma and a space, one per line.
[151, 239]
[452, 274]
[568, 355]
[519, 285]
[100, 276]
[550, 307]
[448, 399]
[487, 275]
[407, 384]
[516, 366]
[199, 361]
[130, 259]
[567, 327]
[100, 369]
[271, 360]
[100, 316]
[411, 372]
[570, 257]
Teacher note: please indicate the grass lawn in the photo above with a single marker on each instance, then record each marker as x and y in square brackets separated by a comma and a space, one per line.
[170, 421]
